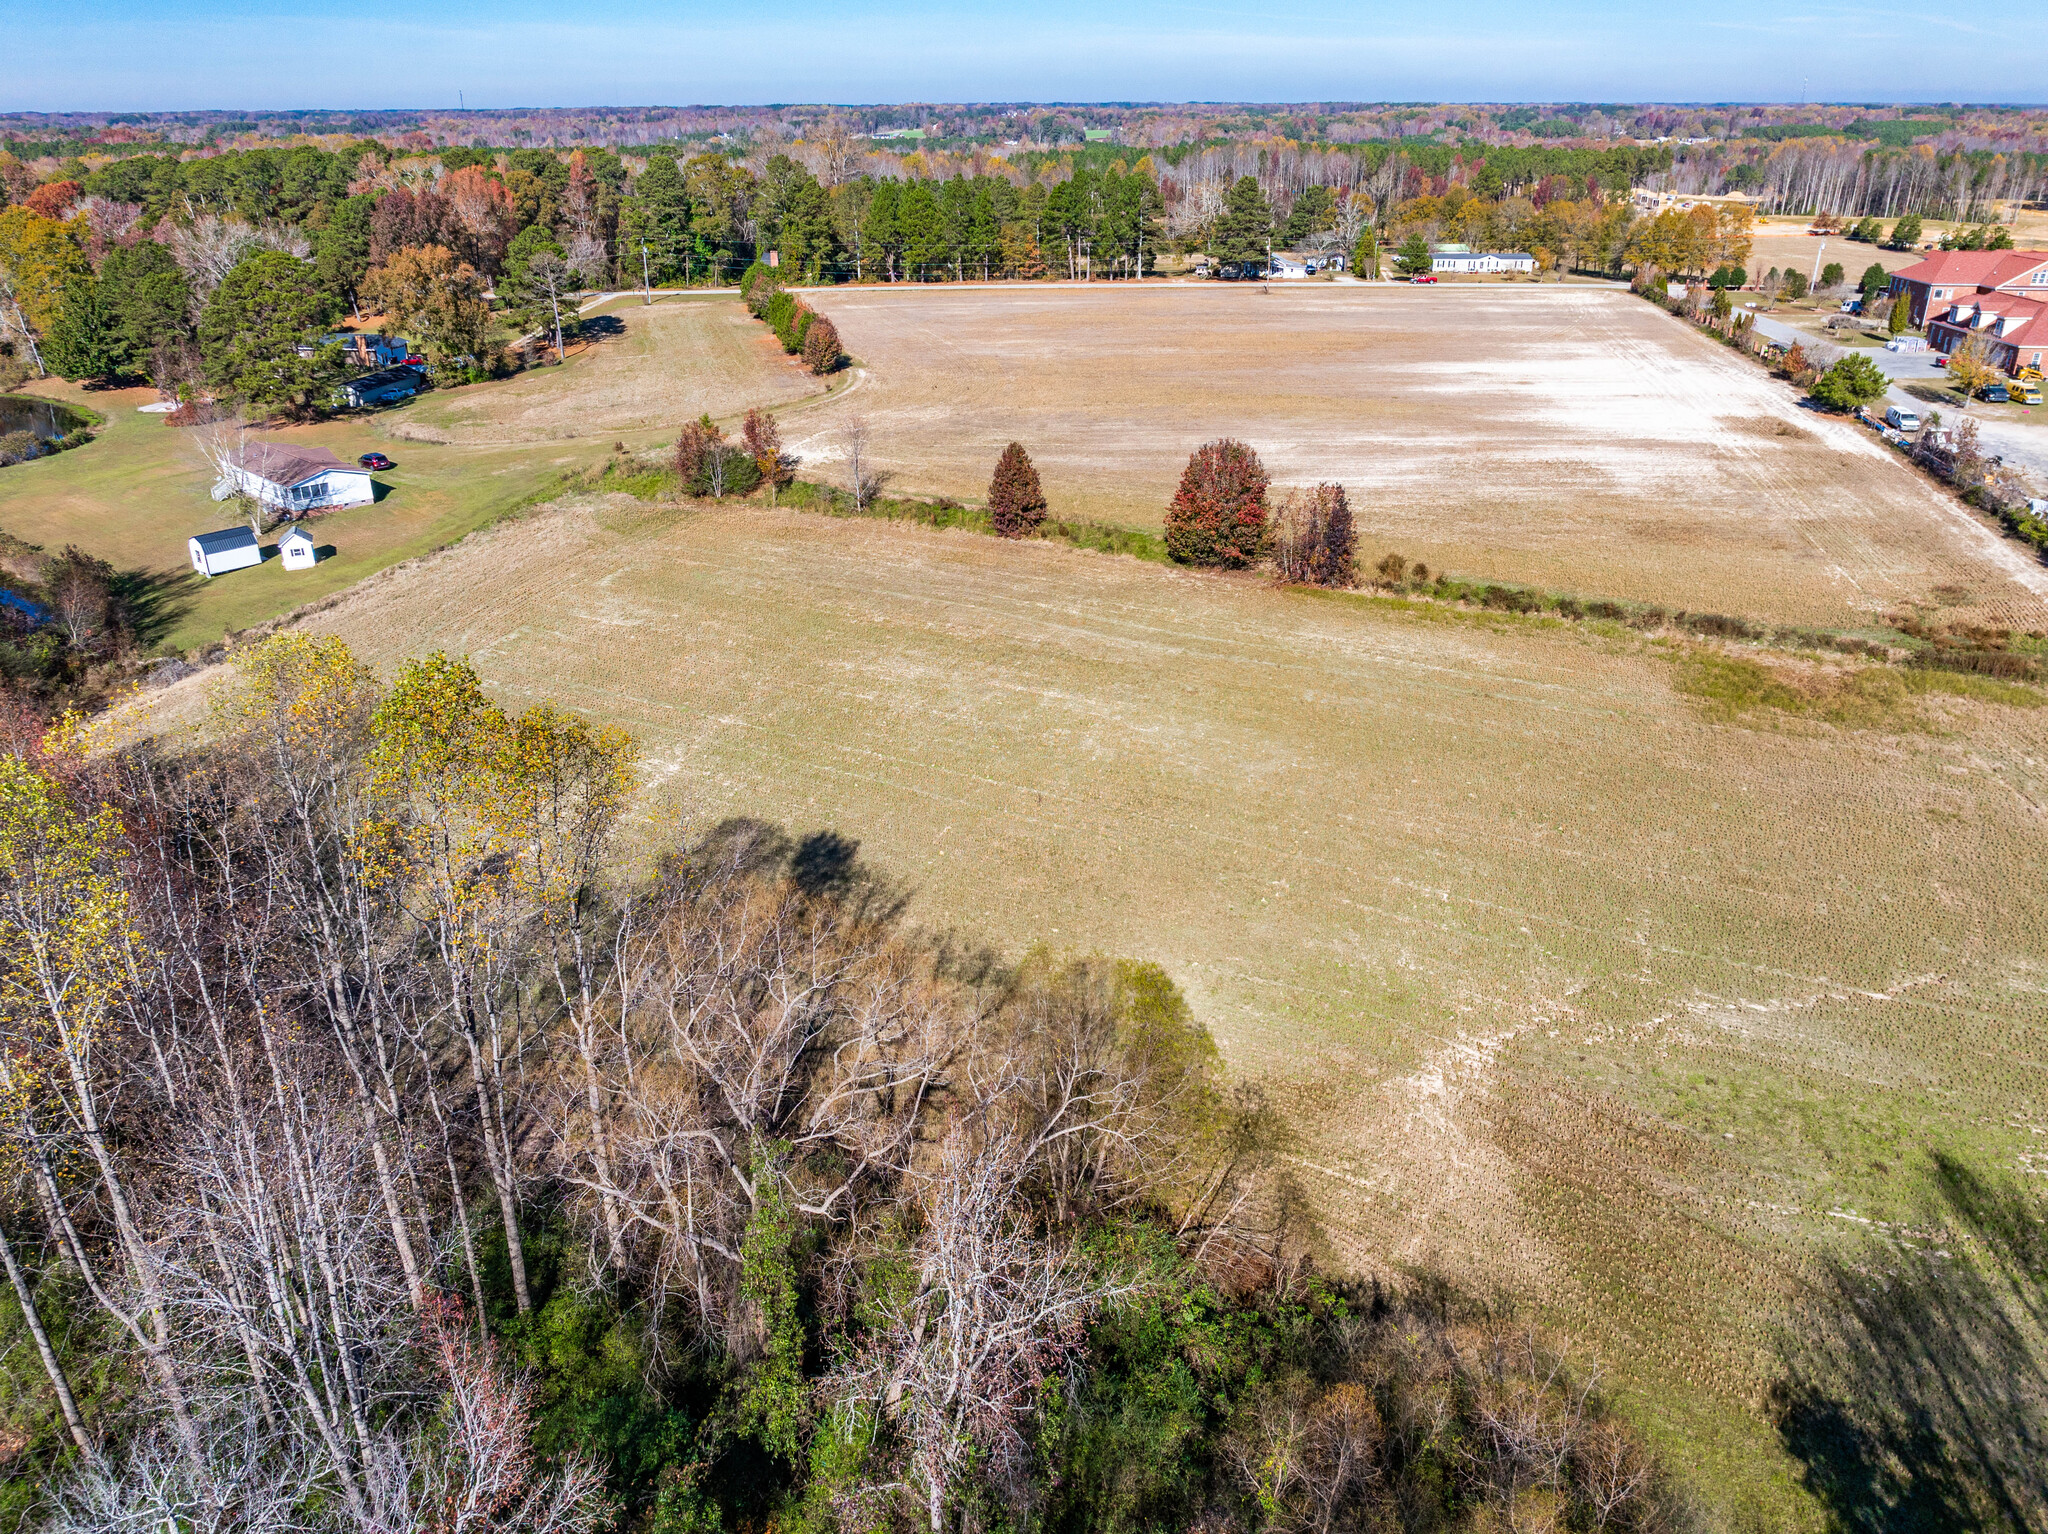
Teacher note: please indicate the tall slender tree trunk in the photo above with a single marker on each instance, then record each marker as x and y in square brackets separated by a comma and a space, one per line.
[25, 1296]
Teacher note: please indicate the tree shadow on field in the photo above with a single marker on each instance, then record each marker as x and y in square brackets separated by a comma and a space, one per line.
[153, 601]
[825, 866]
[602, 327]
[820, 864]
[1915, 1391]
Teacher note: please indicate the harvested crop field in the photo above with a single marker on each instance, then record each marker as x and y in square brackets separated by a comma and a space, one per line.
[1566, 436]
[652, 368]
[1563, 981]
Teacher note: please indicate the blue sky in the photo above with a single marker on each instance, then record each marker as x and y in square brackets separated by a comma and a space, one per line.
[172, 54]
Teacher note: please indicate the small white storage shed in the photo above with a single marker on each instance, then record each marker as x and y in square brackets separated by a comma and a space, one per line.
[232, 548]
[297, 550]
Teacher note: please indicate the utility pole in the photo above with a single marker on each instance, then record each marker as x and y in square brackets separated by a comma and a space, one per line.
[1815, 282]
[646, 285]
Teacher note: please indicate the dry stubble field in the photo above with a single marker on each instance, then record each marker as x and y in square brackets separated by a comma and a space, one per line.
[1565, 986]
[1563, 435]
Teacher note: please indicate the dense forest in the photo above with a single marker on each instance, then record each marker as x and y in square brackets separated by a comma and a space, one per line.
[393, 1138]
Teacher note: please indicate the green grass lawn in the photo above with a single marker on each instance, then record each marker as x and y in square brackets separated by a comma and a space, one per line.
[139, 490]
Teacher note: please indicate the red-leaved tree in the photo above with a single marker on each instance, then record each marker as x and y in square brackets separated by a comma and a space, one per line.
[1016, 504]
[53, 199]
[1218, 516]
[821, 346]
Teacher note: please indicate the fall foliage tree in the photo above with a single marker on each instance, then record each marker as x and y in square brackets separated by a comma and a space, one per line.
[821, 346]
[1971, 368]
[1218, 515]
[1314, 540]
[762, 439]
[1016, 503]
[428, 291]
[53, 199]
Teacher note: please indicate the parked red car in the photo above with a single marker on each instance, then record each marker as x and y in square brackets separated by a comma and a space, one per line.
[1422, 279]
[1941, 359]
[374, 461]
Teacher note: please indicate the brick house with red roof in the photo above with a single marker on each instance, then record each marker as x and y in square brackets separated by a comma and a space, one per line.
[2015, 329]
[1951, 274]
[2001, 295]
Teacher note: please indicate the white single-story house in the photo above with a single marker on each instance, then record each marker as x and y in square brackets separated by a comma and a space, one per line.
[232, 548]
[1288, 266]
[295, 479]
[1462, 260]
[297, 550]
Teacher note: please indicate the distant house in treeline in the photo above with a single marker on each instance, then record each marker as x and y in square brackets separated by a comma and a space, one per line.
[367, 349]
[383, 388]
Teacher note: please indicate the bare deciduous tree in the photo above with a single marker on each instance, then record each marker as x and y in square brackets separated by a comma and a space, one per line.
[862, 480]
[956, 1364]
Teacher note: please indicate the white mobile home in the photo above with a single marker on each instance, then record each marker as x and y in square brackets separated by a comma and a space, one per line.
[232, 548]
[295, 479]
[296, 549]
[1461, 260]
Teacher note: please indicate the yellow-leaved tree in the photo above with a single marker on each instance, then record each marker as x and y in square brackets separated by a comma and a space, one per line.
[486, 825]
[65, 941]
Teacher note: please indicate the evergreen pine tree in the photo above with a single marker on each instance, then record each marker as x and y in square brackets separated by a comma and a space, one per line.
[85, 338]
[1906, 232]
[1901, 319]
[1016, 503]
[1365, 255]
[1412, 260]
[1246, 225]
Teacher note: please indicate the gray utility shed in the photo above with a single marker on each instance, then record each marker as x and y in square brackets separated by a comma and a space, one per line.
[232, 548]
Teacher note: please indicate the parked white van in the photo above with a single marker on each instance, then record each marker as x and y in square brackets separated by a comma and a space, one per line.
[1898, 418]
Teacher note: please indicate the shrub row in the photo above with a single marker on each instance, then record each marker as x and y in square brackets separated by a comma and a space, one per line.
[1395, 574]
[2017, 519]
[2002, 664]
[799, 327]
[1103, 537]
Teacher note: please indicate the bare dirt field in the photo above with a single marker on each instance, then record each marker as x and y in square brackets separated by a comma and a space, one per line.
[1622, 1008]
[1566, 436]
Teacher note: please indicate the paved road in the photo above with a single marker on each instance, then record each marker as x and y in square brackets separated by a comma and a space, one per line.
[2020, 444]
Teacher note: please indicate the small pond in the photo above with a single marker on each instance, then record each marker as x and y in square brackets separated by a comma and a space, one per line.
[26, 423]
